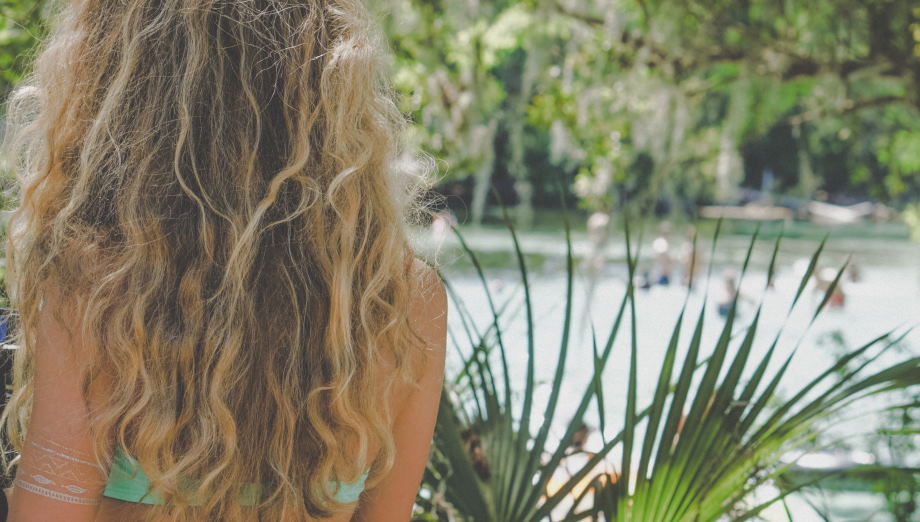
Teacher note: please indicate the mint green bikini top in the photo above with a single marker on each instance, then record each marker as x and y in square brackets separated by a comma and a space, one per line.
[128, 482]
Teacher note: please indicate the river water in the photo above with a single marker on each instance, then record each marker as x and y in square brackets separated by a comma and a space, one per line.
[884, 295]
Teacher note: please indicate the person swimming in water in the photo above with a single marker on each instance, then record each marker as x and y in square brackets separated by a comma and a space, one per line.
[728, 293]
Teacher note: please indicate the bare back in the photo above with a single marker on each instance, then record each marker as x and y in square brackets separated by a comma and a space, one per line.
[59, 414]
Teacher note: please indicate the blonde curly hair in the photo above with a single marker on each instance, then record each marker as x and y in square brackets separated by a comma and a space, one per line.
[216, 190]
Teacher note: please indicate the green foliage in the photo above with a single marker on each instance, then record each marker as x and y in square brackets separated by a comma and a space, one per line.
[905, 151]
[637, 95]
[647, 99]
[911, 215]
[714, 431]
[21, 28]
[4, 297]
[443, 58]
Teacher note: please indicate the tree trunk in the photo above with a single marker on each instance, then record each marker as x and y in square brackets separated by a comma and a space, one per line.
[482, 140]
[535, 63]
[482, 178]
[729, 166]
[808, 182]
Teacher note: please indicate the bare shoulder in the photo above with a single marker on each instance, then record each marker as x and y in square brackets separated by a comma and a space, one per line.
[428, 312]
[428, 288]
[391, 499]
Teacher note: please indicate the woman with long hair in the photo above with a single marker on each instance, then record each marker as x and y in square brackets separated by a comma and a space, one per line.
[221, 317]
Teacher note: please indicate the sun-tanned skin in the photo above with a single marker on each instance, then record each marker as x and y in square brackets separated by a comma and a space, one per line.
[59, 413]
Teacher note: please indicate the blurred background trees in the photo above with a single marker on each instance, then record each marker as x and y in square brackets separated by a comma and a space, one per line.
[671, 104]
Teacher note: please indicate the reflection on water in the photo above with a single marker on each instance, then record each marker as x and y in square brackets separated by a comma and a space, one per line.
[881, 294]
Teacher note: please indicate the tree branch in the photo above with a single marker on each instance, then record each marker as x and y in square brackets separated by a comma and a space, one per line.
[848, 107]
[676, 61]
[582, 17]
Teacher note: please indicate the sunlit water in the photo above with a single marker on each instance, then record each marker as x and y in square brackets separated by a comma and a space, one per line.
[885, 298]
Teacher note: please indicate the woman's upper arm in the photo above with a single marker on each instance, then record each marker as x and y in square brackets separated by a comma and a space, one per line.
[58, 477]
[393, 498]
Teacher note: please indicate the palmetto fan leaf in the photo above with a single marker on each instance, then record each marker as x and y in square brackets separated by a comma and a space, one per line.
[710, 436]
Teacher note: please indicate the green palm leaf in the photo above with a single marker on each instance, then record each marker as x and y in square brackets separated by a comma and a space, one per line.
[705, 441]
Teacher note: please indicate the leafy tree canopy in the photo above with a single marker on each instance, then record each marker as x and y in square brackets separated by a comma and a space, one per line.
[681, 100]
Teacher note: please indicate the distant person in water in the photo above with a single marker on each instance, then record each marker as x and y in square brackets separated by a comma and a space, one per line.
[661, 246]
[854, 271]
[643, 281]
[597, 227]
[824, 278]
[729, 292]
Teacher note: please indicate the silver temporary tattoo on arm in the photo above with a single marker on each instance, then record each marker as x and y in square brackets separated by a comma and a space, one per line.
[53, 471]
